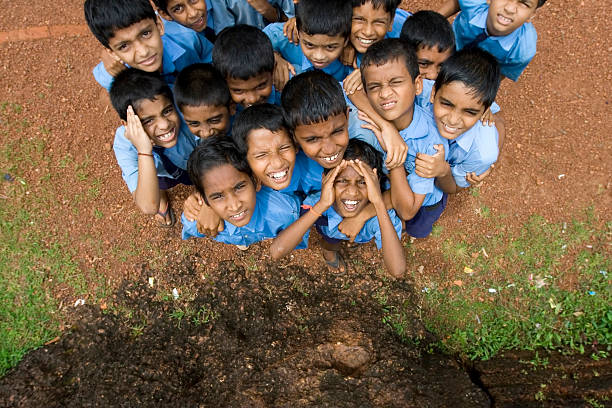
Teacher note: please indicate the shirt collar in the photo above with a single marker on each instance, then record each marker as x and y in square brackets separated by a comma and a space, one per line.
[418, 127]
[331, 69]
[506, 41]
[333, 218]
[467, 138]
[172, 52]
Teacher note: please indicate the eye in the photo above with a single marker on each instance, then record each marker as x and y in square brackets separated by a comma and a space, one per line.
[358, 19]
[146, 122]
[260, 155]
[424, 64]
[214, 121]
[373, 87]
[193, 124]
[237, 91]
[471, 112]
[446, 103]
[307, 44]
[311, 139]
[340, 181]
[284, 148]
[240, 186]
[396, 82]
[178, 9]
[147, 34]
[168, 111]
[361, 182]
[215, 197]
[261, 86]
[122, 47]
[331, 47]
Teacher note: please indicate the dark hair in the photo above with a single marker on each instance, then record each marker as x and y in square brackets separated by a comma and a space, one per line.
[162, 5]
[390, 49]
[242, 52]
[311, 97]
[360, 150]
[213, 152]
[429, 29]
[327, 17]
[540, 3]
[133, 85]
[105, 17]
[388, 5]
[201, 85]
[261, 116]
[476, 69]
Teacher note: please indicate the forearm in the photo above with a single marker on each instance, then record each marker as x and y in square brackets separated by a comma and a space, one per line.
[403, 199]
[290, 237]
[269, 12]
[501, 130]
[446, 182]
[449, 8]
[393, 253]
[146, 195]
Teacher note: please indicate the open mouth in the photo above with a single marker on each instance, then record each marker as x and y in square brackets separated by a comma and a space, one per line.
[350, 205]
[167, 137]
[450, 129]
[279, 176]
[365, 42]
[331, 159]
[238, 217]
[388, 105]
[199, 24]
[503, 20]
[318, 64]
[149, 61]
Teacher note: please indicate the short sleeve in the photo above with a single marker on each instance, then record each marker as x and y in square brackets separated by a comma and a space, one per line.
[102, 76]
[190, 228]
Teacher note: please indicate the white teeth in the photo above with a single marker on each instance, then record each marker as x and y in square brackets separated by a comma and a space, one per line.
[350, 202]
[278, 175]
[167, 136]
[449, 128]
[388, 104]
[365, 41]
[331, 158]
[505, 20]
[239, 215]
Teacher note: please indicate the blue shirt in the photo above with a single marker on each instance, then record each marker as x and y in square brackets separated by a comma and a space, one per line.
[424, 98]
[127, 155]
[306, 177]
[228, 13]
[273, 213]
[396, 28]
[371, 229]
[512, 51]
[181, 48]
[294, 55]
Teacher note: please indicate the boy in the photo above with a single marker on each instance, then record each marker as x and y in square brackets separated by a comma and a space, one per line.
[245, 58]
[202, 96]
[153, 150]
[133, 34]
[465, 88]
[347, 189]
[324, 27]
[500, 27]
[224, 180]
[192, 14]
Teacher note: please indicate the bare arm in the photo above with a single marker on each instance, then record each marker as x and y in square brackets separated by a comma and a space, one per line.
[449, 8]
[405, 201]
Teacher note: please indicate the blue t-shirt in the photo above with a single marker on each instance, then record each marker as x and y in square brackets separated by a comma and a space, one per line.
[127, 155]
[228, 13]
[274, 211]
[330, 220]
[294, 55]
[182, 47]
[513, 51]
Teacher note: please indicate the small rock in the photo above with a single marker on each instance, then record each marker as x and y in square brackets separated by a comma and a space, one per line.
[349, 360]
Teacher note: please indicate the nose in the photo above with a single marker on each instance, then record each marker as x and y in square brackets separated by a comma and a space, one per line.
[250, 99]
[510, 7]
[385, 91]
[141, 50]
[233, 203]
[368, 30]
[191, 12]
[276, 162]
[328, 148]
[318, 55]
[453, 118]
[351, 191]
[163, 124]
[208, 131]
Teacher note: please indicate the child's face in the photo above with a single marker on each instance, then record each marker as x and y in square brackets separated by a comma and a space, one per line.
[271, 156]
[505, 16]
[206, 120]
[430, 60]
[230, 193]
[369, 25]
[324, 142]
[320, 49]
[188, 13]
[159, 119]
[140, 45]
[391, 91]
[252, 91]
[456, 109]
[351, 193]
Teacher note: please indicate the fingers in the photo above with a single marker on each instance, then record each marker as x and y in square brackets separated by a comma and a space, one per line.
[439, 149]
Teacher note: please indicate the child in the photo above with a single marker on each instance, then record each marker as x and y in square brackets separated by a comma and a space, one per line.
[245, 58]
[224, 180]
[465, 88]
[324, 27]
[500, 27]
[193, 14]
[133, 34]
[347, 189]
[153, 151]
[202, 96]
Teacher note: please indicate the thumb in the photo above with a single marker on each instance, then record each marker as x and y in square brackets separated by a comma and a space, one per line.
[439, 149]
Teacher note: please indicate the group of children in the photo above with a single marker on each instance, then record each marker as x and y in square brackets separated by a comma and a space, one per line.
[354, 117]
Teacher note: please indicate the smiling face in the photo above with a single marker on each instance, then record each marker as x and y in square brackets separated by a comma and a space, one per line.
[391, 91]
[159, 119]
[324, 142]
[456, 109]
[430, 60]
[206, 120]
[252, 91]
[320, 49]
[188, 13]
[505, 16]
[351, 193]
[140, 45]
[230, 194]
[369, 25]
[271, 156]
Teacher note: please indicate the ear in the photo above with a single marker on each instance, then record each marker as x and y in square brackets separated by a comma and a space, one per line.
[160, 25]
[390, 25]
[433, 94]
[257, 185]
[418, 84]
[164, 15]
[346, 41]
[232, 108]
[124, 123]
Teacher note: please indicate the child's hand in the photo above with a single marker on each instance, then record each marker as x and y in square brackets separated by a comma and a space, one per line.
[290, 30]
[487, 118]
[328, 194]
[352, 83]
[192, 206]
[351, 226]
[282, 71]
[431, 166]
[349, 56]
[475, 180]
[208, 222]
[112, 63]
[136, 134]
[371, 180]
[389, 139]
[268, 11]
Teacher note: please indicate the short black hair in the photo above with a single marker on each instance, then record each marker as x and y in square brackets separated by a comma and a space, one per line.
[242, 52]
[162, 5]
[213, 152]
[476, 69]
[327, 17]
[388, 5]
[360, 150]
[311, 97]
[429, 29]
[390, 49]
[105, 17]
[133, 85]
[201, 85]
[261, 116]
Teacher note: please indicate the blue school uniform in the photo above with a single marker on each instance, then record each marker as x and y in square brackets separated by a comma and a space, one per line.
[273, 213]
[306, 177]
[396, 28]
[127, 155]
[228, 13]
[181, 48]
[513, 51]
[328, 224]
[294, 55]
[424, 98]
